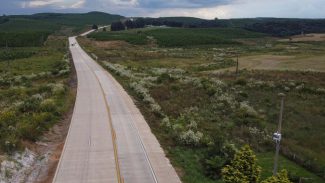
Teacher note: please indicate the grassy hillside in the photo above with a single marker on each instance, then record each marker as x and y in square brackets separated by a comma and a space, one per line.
[173, 37]
[32, 30]
[47, 23]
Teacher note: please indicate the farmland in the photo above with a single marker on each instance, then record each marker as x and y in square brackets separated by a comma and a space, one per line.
[199, 110]
[173, 37]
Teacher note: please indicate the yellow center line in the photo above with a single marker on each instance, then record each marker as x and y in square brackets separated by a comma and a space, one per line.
[117, 163]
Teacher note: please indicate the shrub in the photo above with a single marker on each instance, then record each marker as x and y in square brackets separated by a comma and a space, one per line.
[31, 128]
[57, 88]
[191, 138]
[218, 155]
[281, 177]
[166, 122]
[8, 137]
[248, 109]
[243, 168]
[241, 81]
[48, 105]
[7, 118]
[154, 107]
[165, 77]
[119, 70]
[31, 104]
[213, 166]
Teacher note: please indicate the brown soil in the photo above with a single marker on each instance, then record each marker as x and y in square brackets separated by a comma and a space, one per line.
[111, 44]
[279, 62]
[307, 37]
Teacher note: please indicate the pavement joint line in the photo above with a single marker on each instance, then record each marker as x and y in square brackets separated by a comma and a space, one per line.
[140, 139]
[117, 164]
[113, 131]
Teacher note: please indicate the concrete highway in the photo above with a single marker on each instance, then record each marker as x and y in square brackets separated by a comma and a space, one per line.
[108, 140]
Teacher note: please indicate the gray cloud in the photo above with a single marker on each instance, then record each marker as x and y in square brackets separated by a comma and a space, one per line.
[182, 3]
[198, 8]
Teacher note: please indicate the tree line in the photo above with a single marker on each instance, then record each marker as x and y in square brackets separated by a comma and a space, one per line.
[142, 22]
[4, 19]
[288, 27]
[272, 26]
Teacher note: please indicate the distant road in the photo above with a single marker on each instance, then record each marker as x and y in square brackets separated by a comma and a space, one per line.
[108, 140]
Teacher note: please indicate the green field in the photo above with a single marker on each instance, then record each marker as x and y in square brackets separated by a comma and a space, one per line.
[178, 37]
[196, 110]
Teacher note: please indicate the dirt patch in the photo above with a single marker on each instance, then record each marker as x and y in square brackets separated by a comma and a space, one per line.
[278, 62]
[307, 37]
[111, 44]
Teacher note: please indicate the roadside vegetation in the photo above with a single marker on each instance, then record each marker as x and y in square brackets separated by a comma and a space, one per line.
[34, 91]
[37, 89]
[202, 113]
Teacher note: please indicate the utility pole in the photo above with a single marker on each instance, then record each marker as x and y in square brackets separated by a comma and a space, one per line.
[237, 64]
[7, 50]
[277, 136]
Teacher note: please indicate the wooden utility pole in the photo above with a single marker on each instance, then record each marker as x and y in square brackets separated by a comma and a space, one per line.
[237, 65]
[7, 50]
[277, 136]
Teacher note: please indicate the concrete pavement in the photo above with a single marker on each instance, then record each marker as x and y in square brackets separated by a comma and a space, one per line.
[108, 137]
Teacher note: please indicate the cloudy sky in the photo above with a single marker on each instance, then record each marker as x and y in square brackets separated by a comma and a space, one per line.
[156, 8]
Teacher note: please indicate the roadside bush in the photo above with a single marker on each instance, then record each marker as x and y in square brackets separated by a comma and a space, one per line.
[213, 166]
[165, 77]
[154, 107]
[281, 177]
[32, 127]
[31, 104]
[218, 155]
[118, 69]
[191, 138]
[243, 168]
[48, 105]
[57, 88]
[8, 138]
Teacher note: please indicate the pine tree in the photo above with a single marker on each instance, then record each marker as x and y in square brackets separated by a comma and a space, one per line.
[281, 177]
[243, 168]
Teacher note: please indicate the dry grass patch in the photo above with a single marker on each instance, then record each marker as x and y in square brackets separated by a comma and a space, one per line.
[307, 37]
[279, 62]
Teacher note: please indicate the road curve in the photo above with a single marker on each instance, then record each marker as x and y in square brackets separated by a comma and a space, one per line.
[108, 140]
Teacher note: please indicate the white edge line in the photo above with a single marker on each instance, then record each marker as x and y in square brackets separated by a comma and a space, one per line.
[65, 142]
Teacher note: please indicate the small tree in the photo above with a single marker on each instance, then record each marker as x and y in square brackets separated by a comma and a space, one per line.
[104, 29]
[281, 177]
[243, 168]
[95, 27]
